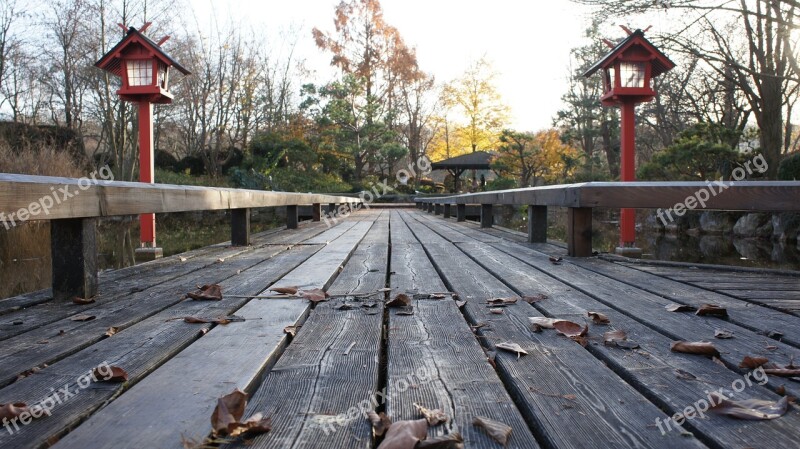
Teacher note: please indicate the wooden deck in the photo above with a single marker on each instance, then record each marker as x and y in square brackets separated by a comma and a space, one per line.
[342, 361]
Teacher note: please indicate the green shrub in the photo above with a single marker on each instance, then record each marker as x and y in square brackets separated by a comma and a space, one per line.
[501, 184]
[789, 168]
[167, 177]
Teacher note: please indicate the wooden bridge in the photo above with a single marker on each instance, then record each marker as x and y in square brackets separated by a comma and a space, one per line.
[316, 367]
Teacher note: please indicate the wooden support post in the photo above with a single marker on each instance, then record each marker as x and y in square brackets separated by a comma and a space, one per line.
[446, 211]
[240, 227]
[461, 212]
[291, 217]
[579, 231]
[537, 224]
[316, 212]
[437, 209]
[430, 207]
[73, 248]
[486, 216]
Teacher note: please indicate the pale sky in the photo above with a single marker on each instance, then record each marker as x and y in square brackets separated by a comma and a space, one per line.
[527, 41]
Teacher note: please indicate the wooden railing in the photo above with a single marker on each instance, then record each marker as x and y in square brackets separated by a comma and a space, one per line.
[73, 205]
[581, 198]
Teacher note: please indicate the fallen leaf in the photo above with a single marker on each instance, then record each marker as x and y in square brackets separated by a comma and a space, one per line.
[450, 441]
[343, 306]
[83, 317]
[460, 304]
[284, 290]
[436, 296]
[723, 334]
[315, 295]
[12, 410]
[82, 301]
[598, 318]
[227, 414]
[502, 301]
[711, 310]
[255, 425]
[782, 372]
[401, 300]
[405, 434]
[291, 330]
[749, 409]
[198, 320]
[781, 390]
[500, 432]
[614, 336]
[212, 292]
[182, 259]
[570, 329]
[512, 347]
[107, 373]
[753, 362]
[496, 311]
[380, 422]
[580, 340]
[434, 417]
[534, 298]
[546, 323]
[696, 347]
[111, 331]
[678, 308]
[407, 310]
[556, 260]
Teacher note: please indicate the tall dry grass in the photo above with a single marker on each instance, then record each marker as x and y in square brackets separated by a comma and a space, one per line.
[38, 160]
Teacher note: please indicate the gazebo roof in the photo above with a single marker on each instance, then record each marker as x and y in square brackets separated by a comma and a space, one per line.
[478, 160]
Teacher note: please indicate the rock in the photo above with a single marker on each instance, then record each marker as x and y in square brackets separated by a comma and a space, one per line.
[786, 226]
[712, 222]
[754, 225]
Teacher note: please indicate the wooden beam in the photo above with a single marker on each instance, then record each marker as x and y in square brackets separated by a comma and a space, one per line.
[537, 224]
[316, 212]
[291, 217]
[73, 247]
[437, 209]
[447, 211]
[579, 231]
[240, 227]
[461, 212]
[486, 216]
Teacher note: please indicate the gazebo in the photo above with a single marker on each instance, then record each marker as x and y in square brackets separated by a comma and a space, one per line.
[478, 160]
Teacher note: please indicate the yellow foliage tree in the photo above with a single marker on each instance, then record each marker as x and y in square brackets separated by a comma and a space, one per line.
[535, 158]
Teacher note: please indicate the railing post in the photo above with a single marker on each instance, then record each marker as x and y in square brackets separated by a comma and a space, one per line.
[73, 248]
[486, 216]
[437, 209]
[240, 227]
[316, 212]
[461, 212]
[537, 224]
[446, 211]
[291, 216]
[579, 231]
[430, 207]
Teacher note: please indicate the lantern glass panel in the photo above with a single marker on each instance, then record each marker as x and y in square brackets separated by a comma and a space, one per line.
[163, 76]
[632, 74]
[140, 72]
[610, 78]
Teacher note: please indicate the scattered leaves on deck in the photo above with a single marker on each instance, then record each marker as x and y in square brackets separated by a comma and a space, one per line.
[556, 260]
[111, 331]
[291, 330]
[407, 310]
[695, 347]
[401, 300]
[598, 318]
[711, 310]
[570, 329]
[434, 416]
[83, 318]
[500, 432]
[749, 409]
[496, 310]
[450, 441]
[107, 373]
[723, 334]
[678, 308]
[782, 372]
[503, 301]
[314, 295]
[82, 301]
[12, 410]
[211, 292]
[226, 420]
[619, 339]
[200, 320]
[753, 362]
[380, 422]
[405, 434]
[546, 323]
[512, 347]
[534, 298]
[284, 290]
[460, 303]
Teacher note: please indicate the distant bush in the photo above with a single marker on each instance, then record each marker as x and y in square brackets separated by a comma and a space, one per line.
[163, 176]
[192, 165]
[789, 168]
[21, 138]
[39, 160]
[165, 160]
[501, 184]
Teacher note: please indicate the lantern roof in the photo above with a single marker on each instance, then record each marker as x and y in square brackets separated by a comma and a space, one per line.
[112, 61]
[660, 62]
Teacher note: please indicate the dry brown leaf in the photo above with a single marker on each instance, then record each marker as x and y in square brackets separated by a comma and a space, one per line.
[570, 329]
[556, 260]
[111, 331]
[598, 318]
[781, 390]
[284, 290]
[314, 295]
[199, 320]
[749, 409]
[782, 372]
[227, 414]
[711, 310]
[436, 296]
[583, 341]
[401, 300]
[500, 432]
[107, 373]
[678, 308]
[291, 330]
[546, 323]
[450, 441]
[614, 336]
[461, 304]
[502, 301]
[723, 334]
[434, 417]
[254, 425]
[380, 422]
[695, 347]
[83, 317]
[534, 298]
[753, 362]
[12, 410]
[82, 301]
[405, 434]
[512, 347]
[408, 310]
[496, 311]
[212, 292]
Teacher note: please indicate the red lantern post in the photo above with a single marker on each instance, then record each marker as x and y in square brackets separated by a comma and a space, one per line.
[144, 69]
[628, 70]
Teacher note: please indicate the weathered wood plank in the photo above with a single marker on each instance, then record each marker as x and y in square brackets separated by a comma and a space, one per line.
[607, 412]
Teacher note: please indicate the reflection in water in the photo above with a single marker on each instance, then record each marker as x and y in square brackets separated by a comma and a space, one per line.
[709, 249]
[25, 249]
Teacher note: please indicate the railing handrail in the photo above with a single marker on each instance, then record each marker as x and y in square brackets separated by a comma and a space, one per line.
[727, 195]
[98, 198]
